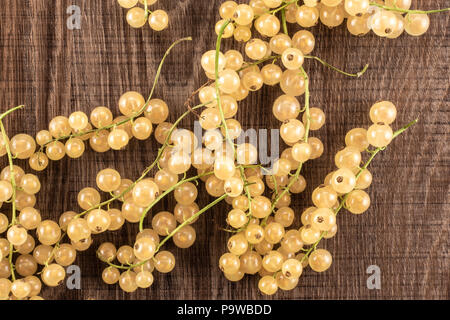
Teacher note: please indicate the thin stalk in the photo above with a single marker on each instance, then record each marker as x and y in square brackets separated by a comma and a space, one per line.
[305, 139]
[167, 192]
[146, 9]
[11, 264]
[286, 4]
[219, 99]
[12, 174]
[397, 9]
[191, 219]
[307, 102]
[247, 192]
[259, 62]
[13, 184]
[326, 64]
[283, 21]
[55, 247]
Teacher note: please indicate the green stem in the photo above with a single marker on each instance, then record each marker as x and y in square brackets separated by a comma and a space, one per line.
[190, 220]
[259, 62]
[247, 193]
[345, 197]
[326, 64]
[219, 99]
[283, 21]
[11, 264]
[307, 130]
[146, 9]
[138, 113]
[10, 111]
[167, 192]
[396, 9]
[307, 101]
[13, 183]
[170, 235]
[55, 247]
[286, 4]
[12, 174]
[404, 128]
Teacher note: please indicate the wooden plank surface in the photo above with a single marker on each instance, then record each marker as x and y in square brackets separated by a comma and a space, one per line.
[54, 71]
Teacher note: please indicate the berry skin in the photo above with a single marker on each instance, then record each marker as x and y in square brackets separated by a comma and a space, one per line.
[268, 285]
[320, 260]
[383, 112]
[343, 181]
[268, 25]
[53, 274]
[136, 17]
[127, 4]
[227, 9]
[108, 180]
[158, 20]
[379, 135]
[144, 249]
[417, 24]
[229, 263]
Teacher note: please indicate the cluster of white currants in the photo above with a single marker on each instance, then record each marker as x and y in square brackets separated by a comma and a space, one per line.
[67, 136]
[388, 18]
[30, 242]
[137, 17]
[261, 219]
[280, 268]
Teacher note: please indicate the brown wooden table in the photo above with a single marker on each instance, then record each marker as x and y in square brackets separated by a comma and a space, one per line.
[55, 71]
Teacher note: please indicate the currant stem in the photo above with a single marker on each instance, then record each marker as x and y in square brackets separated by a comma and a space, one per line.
[13, 183]
[219, 99]
[326, 64]
[404, 128]
[167, 192]
[396, 9]
[366, 165]
[11, 264]
[168, 237]
[307, 101]
[11, 168]
[55, 247]
[138, 113]
[258, 62]
[283, 21]
[307, 129]
[286, 4]
[191, 219]
[2, 116]
[247, 192]
[187, 103]
[146, 9]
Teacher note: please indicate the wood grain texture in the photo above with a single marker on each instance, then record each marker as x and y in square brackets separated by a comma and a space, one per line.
[55, 71]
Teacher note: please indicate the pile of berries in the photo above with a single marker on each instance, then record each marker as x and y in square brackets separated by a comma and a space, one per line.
[260, 219]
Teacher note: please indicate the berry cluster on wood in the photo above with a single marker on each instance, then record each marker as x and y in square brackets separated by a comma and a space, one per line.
[34, 251]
